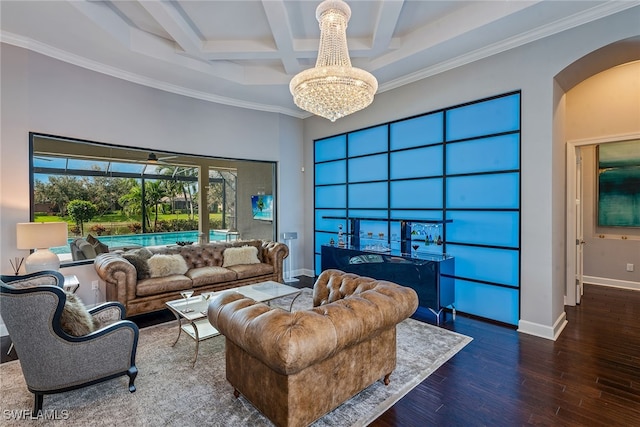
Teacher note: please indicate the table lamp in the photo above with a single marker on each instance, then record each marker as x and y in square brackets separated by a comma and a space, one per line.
[41, 236]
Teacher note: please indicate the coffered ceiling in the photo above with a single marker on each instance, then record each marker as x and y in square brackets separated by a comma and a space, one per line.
[245, 52]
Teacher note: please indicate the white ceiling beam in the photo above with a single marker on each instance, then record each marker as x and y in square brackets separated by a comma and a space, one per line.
[282, 34]
[106, 19]
[385, 25]
[175, 25]
[252, 49]
[239, 49]
[463, 20]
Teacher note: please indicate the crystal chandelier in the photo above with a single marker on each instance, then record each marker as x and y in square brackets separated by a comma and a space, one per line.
[333, 88]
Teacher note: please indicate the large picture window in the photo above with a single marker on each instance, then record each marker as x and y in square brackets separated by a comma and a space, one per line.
[127, 197]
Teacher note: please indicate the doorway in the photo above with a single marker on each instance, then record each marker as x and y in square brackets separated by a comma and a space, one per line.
[576, 204]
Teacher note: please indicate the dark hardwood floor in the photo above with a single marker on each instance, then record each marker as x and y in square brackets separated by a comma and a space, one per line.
[590, 376]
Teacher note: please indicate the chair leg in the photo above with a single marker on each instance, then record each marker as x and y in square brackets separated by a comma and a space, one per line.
[387, 379]
[132, 373]
[37, 403]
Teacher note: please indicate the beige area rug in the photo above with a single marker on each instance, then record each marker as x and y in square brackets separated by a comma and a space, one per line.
[172, 393]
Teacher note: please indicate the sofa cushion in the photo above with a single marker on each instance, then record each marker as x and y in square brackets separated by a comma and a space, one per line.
[75, 319]
[239, 256]
[86, 248]
[99, 247]
[244, 271]
[161, 285]
[166, 265]
[210, 275]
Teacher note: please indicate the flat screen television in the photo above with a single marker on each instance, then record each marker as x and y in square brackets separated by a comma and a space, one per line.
[262, 207]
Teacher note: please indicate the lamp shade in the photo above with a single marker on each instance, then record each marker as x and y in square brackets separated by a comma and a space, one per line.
[41, 236]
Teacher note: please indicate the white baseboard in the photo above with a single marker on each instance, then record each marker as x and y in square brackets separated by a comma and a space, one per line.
[305, 272]
[542, 331]
[614, 283]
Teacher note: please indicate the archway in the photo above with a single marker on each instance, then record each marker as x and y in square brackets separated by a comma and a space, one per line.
[571, 81]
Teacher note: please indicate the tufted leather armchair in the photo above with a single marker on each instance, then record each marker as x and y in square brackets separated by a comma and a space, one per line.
[51, 360]
[296, 367]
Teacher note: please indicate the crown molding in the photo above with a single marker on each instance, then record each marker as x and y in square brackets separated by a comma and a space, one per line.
[61, 55]
[581, 18]
[592, 14]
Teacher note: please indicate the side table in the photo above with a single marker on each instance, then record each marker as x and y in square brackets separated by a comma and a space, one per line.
[71, 283]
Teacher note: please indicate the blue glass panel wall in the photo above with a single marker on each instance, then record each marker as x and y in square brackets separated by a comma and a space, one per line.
[492, 302]
[496, 191]
[486, 264]
[484, 118]
[460, 164]
[423, 130]
[324, 239]
[484, 155]
[426, 214]
[329, 224]
[369, 195]
[492, 228]
[369, 168]
[318, 265]
[331, 172]
[331, 148]
[331, 196]
[417, 193]
[416, 162]
[368, 141]
[368, 213]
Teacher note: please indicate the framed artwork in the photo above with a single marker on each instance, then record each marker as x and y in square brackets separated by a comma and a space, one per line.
[262, 207]
[619, 184]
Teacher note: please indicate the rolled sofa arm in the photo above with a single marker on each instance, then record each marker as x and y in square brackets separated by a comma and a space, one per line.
[119, 275]
[274, 253]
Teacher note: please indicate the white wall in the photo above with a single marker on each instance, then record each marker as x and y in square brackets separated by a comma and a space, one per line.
[40, 94]
[530, 68]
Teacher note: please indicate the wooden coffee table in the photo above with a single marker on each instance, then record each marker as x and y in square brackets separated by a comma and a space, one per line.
[195, 321]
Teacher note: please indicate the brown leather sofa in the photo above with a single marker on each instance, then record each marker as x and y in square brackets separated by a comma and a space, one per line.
[205, 273]
[296, 367]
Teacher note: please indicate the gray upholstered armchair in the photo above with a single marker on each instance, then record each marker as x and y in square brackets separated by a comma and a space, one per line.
[52, 360]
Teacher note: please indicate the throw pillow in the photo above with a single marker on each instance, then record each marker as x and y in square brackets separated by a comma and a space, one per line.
[241, 255]
[87, 249]
[100, 247]
[75, 319]
[139, 262]
[166, 265]
[143, 252]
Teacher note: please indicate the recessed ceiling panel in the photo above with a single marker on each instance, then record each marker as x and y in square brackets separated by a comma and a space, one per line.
[228, 20]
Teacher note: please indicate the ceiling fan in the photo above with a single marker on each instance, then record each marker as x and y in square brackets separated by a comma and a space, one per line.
[154, 159]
